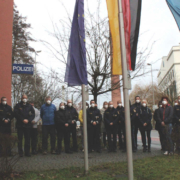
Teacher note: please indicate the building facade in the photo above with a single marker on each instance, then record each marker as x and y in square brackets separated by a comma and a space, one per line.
[6, 27]
[169, 73]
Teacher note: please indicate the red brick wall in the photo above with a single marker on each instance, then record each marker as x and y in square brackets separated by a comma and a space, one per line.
[116, 94]
[6, 24]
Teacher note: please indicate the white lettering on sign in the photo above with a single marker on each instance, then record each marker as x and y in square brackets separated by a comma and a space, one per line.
[19, 68]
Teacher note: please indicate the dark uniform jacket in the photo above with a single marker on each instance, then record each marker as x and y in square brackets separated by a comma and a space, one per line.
[121, 118]
[158, 124]
[71, 114]
[22, 112]
[60, 118]
[93, 115]
[176, 116]
[145, 117]
[135, 109]
[165, 114]
[111, 116]
[6, 113]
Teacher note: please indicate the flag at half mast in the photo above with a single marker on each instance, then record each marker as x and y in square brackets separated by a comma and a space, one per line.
[76, 68]
[113, 12]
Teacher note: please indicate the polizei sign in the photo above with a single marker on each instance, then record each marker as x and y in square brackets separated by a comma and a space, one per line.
[22, 69]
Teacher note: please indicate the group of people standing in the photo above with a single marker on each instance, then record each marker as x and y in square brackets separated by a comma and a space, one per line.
[102, 125]
[168, 120]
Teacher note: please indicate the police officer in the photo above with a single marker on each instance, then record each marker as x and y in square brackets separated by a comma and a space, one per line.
[103, 128]
[62, 127]
[121, 124]
[93, 123]
[6, 116]
[176, 123]
[158, 126]
[111, 119]
[135, 117]
[132, 131]
[24, 114]
[72, 117]
[145, 126]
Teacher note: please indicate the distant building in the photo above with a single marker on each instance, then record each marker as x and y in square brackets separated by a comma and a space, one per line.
[169, 73]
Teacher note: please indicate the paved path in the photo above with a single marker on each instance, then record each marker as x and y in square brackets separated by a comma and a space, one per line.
[47, 162]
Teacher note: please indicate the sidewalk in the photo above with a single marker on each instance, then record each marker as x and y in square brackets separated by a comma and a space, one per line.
[47, 162]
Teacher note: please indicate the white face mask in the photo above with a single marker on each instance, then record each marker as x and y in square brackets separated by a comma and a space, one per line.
[164, 102]
[120, 105]
[144, 104]
[160, 105]
[175, 104]
[24, 100]
[138, 101]
[111, 106]
[92, 105]
[86, 107]
[62, 107]
[106, 106]
[69, 104]
[4, 102]
[48, 102]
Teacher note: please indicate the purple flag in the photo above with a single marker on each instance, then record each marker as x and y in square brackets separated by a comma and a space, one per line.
[76, 69]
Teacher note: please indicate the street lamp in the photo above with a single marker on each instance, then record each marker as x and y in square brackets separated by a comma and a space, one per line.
[152, 84]
[36, 53]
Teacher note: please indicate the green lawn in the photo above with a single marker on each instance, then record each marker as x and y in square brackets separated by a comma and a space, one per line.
[156, 168]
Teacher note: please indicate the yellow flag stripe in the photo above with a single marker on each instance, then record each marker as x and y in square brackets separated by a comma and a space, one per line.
[112, 6]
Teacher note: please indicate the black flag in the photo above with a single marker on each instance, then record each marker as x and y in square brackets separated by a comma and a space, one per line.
[135, 6]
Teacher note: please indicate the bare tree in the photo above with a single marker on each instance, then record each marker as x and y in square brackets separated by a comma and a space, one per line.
[99, 55]
[146, 92]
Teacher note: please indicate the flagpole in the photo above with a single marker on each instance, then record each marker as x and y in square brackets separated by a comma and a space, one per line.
[126, 94]
[86, 165]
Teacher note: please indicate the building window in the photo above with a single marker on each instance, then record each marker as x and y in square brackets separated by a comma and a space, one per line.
[163, 63]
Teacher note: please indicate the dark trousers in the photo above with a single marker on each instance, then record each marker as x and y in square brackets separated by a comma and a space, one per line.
[93, 138]
[5, 131]
[63, 132]
[132, 138]
[104, 138]
[82, 137]
[160, 131]
[60, 135]
[67, 138]
[136, 127]
[167, 141]
[46, 130]
[144, 135]
[26, 133]
[34, 134]
[120, 133]
[74, 136]
[112, 130]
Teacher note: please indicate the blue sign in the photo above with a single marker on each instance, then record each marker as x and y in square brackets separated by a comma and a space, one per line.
[22, 69]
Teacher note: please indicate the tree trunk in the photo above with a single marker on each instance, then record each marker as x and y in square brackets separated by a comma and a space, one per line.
[95, 98]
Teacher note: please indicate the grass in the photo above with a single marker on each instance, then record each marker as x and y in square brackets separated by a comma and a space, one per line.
[154, 168]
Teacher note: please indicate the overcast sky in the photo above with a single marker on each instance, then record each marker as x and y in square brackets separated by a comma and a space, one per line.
[157, 24]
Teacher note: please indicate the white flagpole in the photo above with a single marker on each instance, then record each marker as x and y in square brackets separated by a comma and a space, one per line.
[86, 165]
[126, 93]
